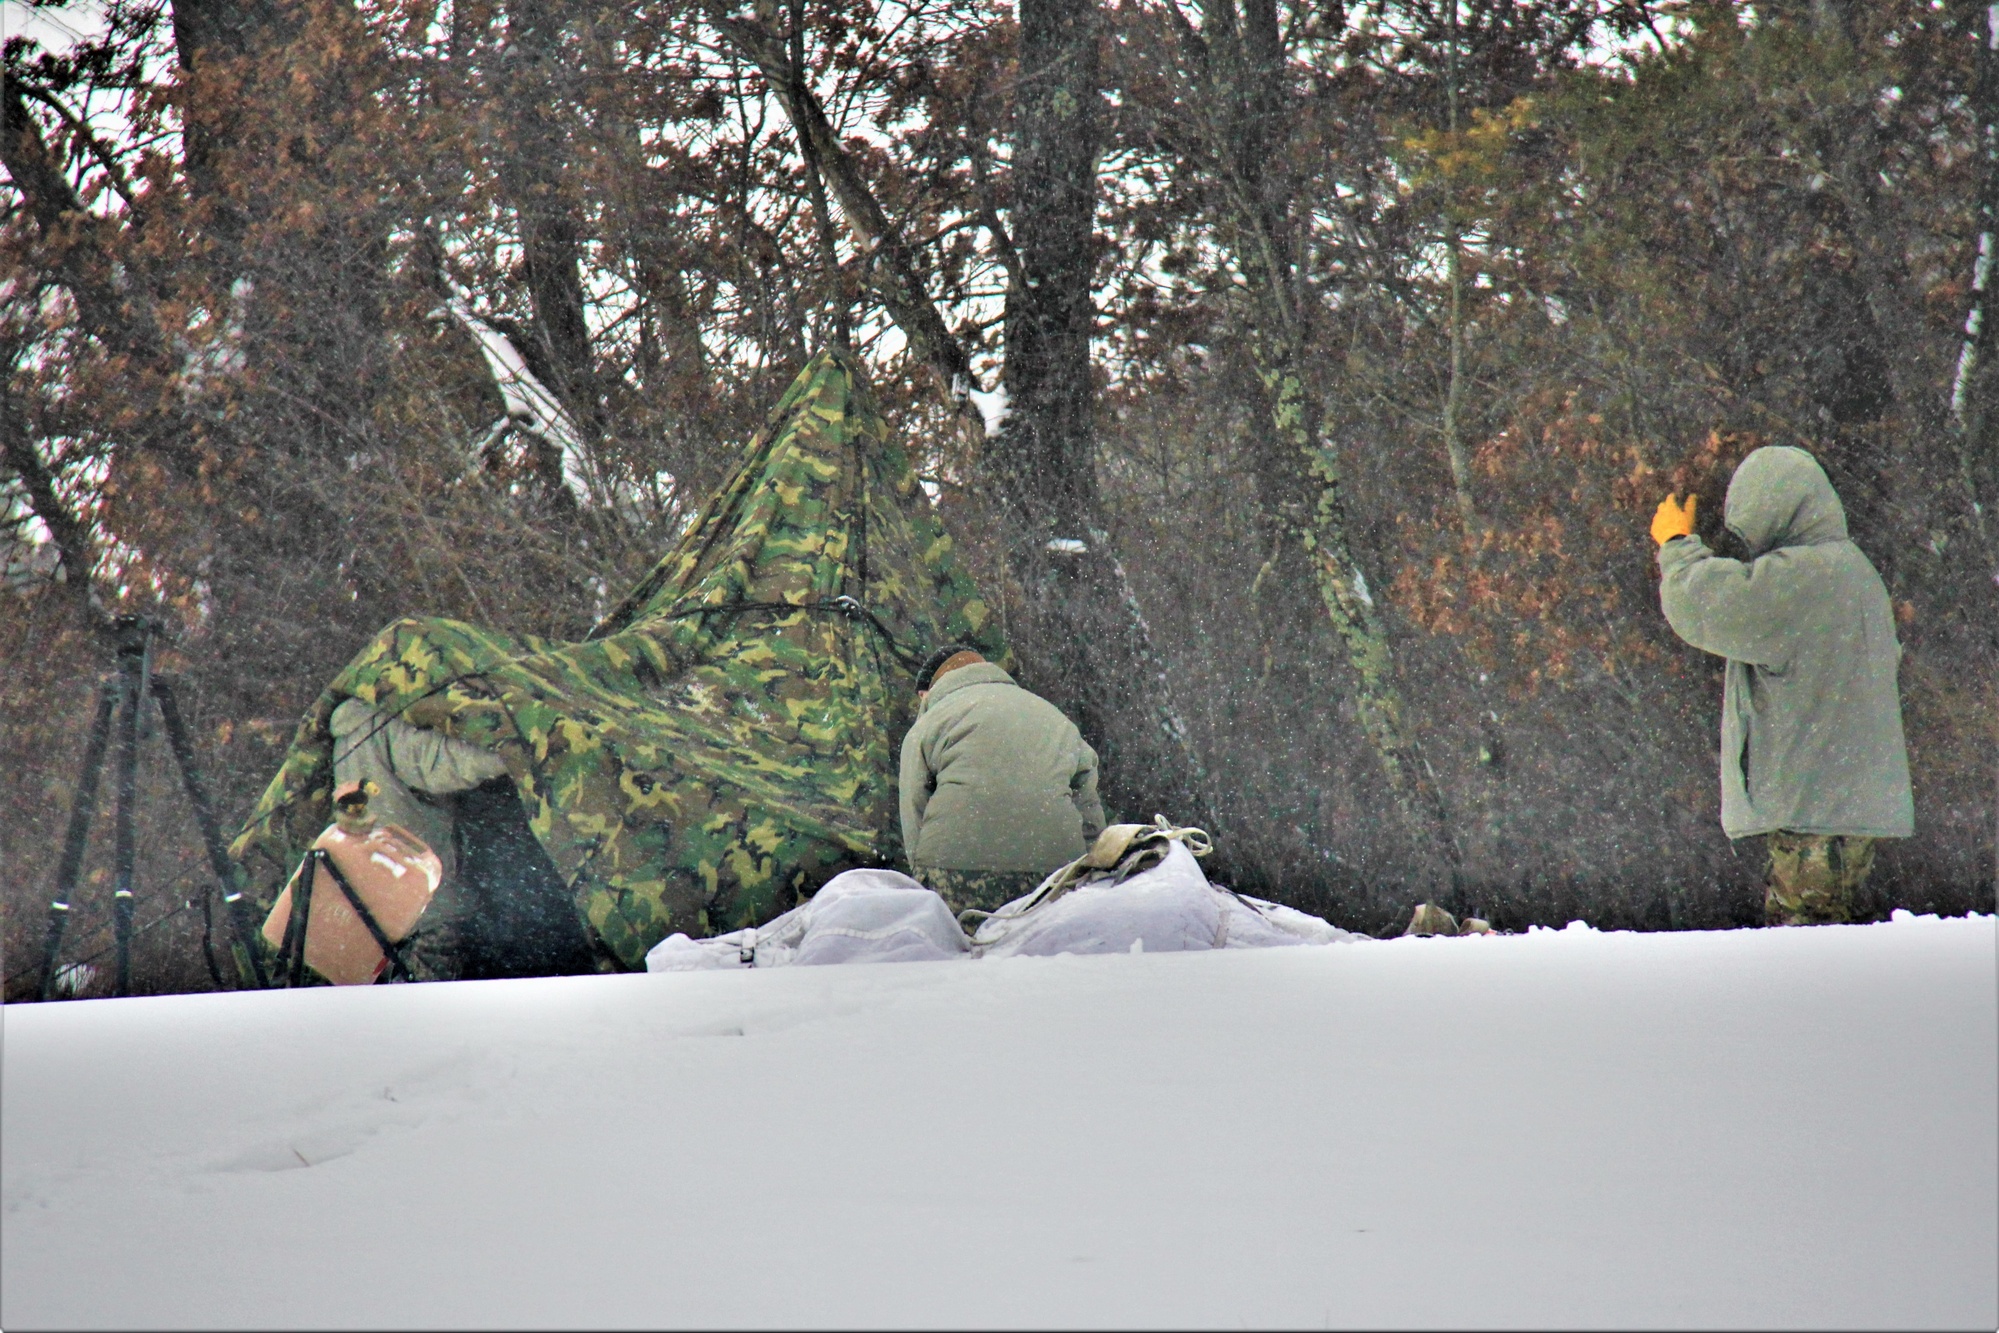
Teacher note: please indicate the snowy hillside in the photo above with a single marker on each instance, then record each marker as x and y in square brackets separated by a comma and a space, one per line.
[1792, 1127]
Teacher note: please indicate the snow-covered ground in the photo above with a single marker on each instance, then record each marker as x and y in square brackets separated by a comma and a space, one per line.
[1749, 1128]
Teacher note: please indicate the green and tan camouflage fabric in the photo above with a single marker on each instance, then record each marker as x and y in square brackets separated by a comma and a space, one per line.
[724, 741]
[1815, 879]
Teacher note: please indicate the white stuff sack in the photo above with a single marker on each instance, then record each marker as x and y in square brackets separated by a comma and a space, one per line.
[860, 916]
[879, 916]
[1169, 908]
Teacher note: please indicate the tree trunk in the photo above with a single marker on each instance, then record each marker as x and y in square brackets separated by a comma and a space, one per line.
[1088, 647]
[1239, 69]
[78, 248]
[275, 115]
[1969, 414]
[1454, 394]
[226, 50]
[886, 260]
[71, 538]
[551, 242]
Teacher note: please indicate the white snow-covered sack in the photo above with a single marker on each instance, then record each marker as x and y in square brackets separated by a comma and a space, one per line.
[1168, 908]
[879, 916]
[860, 916]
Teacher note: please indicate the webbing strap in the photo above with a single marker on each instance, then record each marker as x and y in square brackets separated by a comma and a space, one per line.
[292, 951]
[391, 952]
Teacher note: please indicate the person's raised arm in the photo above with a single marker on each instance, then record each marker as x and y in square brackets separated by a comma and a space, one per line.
[1731, 608]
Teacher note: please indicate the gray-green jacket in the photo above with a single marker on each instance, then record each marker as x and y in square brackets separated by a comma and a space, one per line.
[995, 778]
[1811, 720]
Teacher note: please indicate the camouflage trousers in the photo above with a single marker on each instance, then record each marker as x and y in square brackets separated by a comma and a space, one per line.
[985, 890]
[1815, 878]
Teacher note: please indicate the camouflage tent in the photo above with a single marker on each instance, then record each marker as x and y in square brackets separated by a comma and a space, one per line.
[723, 741]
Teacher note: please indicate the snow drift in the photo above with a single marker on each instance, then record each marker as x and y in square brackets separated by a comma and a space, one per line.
[1733, 1129]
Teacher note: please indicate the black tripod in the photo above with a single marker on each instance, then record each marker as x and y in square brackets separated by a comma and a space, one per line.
[124, 692]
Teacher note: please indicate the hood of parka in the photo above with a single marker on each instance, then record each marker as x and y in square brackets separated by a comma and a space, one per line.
[1780, 497]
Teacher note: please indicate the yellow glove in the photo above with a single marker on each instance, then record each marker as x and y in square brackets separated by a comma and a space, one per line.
[1672, 520]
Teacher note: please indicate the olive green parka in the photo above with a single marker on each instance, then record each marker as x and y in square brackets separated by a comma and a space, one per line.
[995, 778]
[1811, 721]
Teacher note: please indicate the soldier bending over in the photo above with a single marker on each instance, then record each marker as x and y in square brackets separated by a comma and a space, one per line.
[998, 787]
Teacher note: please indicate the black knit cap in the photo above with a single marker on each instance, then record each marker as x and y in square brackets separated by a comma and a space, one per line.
[938, 659]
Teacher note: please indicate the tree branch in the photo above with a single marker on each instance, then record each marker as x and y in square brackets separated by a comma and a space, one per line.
[891, 266]
[78, 258]
[112, 171]
[72, 540]
[989, 217]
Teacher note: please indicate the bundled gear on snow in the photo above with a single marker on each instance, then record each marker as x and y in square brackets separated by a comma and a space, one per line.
[1430, 919]
[1119, 852]
[1140, 889]
[1144, 893]
[356, 897]
[860, 916]
[718, 746]
[1811, 726]
[998, 787]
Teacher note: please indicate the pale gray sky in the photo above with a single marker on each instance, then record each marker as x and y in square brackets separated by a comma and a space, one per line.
[54, 28]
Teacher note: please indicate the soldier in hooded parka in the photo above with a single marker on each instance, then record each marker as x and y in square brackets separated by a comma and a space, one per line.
[1812, 754]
